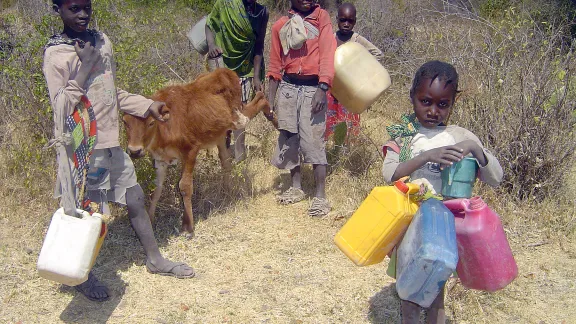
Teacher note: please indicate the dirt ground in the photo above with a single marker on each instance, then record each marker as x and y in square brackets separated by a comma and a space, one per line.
[259, 262]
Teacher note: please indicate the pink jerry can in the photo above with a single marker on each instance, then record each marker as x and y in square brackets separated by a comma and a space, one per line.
[485, 258]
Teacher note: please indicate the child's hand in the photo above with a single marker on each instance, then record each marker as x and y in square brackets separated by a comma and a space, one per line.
[445, 155]
[214, 51]
[319, 101]
[88, 55]
[469, 146]
[155, 110]
[257, 85]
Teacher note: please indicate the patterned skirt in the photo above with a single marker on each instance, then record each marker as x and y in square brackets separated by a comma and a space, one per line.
[337, 114]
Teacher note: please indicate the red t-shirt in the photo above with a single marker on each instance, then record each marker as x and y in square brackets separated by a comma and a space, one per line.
[316, 57]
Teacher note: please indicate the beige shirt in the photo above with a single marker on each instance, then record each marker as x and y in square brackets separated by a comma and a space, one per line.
[61, 64]
[427, 139]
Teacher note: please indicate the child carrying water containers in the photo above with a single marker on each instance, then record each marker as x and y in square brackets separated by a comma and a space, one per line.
[422, 145]
[337, 113]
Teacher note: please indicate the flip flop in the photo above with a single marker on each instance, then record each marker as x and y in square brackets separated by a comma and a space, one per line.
[170, 272]
[93, 285]
[291, 196]
[319, 207]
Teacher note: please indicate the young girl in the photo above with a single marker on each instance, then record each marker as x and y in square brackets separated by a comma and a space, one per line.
[422, 145]
[337, 113]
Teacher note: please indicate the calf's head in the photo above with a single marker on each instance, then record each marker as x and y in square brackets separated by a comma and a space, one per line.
[139, 132]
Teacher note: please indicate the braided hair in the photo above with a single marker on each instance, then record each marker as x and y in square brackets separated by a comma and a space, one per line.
[433, 70]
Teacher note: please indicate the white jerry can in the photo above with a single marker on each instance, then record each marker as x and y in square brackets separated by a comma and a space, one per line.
[71, 246]
[359, 78]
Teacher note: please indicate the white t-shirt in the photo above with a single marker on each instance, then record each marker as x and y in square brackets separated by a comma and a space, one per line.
[427, 139]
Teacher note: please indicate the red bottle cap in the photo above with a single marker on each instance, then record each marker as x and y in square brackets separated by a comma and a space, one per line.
[401, 186]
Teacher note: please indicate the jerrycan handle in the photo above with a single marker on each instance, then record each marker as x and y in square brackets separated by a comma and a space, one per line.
[456, 205]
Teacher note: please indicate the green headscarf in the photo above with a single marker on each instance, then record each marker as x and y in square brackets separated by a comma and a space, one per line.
[404, 133]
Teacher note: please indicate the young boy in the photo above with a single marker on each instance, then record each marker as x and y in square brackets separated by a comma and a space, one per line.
[301, 71]
[236, 29]
[80, 71]
[337, 113]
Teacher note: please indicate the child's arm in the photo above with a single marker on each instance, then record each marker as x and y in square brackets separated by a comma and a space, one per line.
[65, 93]
[274, 73]
[326, 48]
[490, 169]
[213, 49]
[375, 51]
[138, 105]
[259, 52]
[445, 155]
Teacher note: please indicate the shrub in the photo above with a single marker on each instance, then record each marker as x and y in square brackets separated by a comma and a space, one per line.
[524, 96]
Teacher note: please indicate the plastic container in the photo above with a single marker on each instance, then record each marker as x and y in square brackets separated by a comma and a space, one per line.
[359, 78]
[458, 180]
[486, 260]
[378, 224]
[70, 247]
[427, 255]
[197, 36]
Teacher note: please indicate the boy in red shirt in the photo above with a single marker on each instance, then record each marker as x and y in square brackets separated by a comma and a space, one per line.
[301, 71]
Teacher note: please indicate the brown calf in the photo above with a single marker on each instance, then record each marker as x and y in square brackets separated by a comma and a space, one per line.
[197, 115]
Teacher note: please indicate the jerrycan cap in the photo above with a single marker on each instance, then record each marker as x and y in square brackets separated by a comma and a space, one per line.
[402, 186]
[476, 203]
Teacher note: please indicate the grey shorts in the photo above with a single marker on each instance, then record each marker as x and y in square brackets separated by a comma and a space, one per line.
[301, 132]
[111, 173]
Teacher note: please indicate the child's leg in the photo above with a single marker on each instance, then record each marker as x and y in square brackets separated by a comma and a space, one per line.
[296, 177]
[410, 312]
[320, 179]
[436, 313]
[140, 221]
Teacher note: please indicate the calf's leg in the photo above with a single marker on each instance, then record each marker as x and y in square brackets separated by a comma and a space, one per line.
[224, 155]
[186, 189]
[161, 169]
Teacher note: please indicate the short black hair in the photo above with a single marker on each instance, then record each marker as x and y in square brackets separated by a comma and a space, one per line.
[433, 70]
[57, 2]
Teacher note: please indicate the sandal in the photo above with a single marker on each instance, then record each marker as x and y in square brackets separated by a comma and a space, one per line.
[175, 270]
[291, 196]
[93, 289]
[319, 207]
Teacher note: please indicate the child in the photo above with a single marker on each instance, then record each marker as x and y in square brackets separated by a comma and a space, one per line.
[80, 72]
[422, 145]
[236, 29]
[301, 71]
[337, 113]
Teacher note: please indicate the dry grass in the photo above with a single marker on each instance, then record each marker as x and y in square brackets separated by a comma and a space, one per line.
[257, 261]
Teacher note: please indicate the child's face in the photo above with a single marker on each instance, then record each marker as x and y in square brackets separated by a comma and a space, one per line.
[433, 101]
[346, 20]
[302, 5]
[75, 14]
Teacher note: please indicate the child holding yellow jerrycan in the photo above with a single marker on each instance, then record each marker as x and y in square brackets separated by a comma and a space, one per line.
[421, 146]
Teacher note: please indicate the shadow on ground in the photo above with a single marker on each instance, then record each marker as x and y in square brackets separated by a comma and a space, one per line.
[385, 307]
